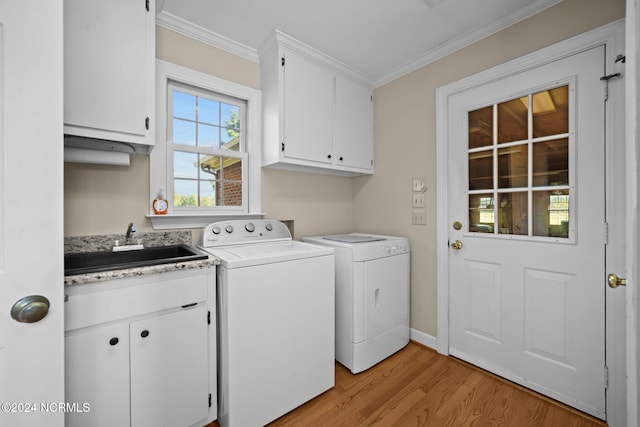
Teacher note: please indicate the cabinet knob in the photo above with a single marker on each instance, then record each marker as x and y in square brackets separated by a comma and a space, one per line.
[144, 333]
[114, 341]
[341, 158]
[329, 156]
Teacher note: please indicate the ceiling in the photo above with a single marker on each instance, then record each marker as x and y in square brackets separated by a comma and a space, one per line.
[381, 39]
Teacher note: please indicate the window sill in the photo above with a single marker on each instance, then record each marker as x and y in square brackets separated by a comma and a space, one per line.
[191, 220]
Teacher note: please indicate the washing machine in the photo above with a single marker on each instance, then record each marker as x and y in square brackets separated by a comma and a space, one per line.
[276, 320]
[372, 296]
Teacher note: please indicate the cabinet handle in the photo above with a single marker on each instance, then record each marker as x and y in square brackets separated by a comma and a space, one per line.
[114, 341]
[144, 334]
[329, 156]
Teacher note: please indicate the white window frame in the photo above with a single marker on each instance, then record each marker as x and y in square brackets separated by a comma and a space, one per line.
[161, 165]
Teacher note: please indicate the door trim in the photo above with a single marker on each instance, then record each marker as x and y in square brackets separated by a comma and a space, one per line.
[612, 37]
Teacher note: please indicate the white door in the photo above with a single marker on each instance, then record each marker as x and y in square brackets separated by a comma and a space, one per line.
[526, 227]
[31, 221]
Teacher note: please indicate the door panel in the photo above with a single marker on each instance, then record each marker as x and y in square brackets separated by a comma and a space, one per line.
[31, 199]
[526, 285]
[483, 303]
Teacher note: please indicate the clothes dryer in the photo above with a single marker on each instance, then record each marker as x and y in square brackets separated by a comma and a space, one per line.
[372, 296]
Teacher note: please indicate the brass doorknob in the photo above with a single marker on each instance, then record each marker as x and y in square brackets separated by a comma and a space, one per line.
[615, 281]
[30, 309]
[456, 244]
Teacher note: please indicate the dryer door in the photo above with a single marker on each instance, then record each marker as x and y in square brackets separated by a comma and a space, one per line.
[386, 294]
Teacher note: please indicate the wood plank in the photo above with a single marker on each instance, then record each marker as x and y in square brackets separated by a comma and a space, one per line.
[419, 387]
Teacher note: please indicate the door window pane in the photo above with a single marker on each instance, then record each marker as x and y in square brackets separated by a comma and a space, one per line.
[512, 120]
[513, 166]
[551, 213]
[551, 163]
[481, 127]
[513, 213]
[481, 213]
[551, 112]
[481, 170]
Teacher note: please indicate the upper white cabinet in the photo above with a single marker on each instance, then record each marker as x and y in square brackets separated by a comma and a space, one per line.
[109, 50]
[317, 114]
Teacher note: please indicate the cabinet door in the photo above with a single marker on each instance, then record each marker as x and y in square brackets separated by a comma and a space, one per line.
[308, 110]
[97, 373]
[169, 369]
[105, 66]
[354, 125]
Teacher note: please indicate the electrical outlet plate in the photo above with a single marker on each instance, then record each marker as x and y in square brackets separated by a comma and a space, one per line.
[418, 200]
[418, 185]
[419, 217]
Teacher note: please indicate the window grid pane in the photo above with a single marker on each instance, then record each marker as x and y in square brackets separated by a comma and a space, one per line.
[523, 164]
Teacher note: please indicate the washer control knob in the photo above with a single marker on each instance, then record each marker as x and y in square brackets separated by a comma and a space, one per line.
[216, 230]
[228, 229]
[250, 227]
[269, 226]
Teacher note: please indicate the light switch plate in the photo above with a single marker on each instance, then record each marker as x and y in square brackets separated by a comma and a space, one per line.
[418, 200]
[419, 217]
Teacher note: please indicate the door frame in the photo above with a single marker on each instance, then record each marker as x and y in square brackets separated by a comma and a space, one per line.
[612, 37]
[633, 191]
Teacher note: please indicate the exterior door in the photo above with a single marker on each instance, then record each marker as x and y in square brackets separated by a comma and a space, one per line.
[526, 229]
[31, 216]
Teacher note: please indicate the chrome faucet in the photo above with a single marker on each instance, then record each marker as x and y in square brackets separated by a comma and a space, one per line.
[130, 230]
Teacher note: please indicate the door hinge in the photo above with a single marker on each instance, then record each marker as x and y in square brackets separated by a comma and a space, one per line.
[610, 76]
[147, 5]
[283, 146]
[282, 61]
[209, 400]
[208, 317]
[606, 377]
[146, 123]
[606, 233]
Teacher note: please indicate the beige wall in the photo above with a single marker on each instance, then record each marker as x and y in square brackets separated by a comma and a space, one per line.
[405, 136]
[104, 199]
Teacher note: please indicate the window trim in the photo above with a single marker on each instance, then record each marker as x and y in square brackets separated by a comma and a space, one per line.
[158, 162]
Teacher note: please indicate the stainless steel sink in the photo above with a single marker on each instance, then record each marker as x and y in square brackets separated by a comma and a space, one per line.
[92, 262]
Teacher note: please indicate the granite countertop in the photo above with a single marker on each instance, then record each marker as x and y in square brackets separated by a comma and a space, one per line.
[78, 244]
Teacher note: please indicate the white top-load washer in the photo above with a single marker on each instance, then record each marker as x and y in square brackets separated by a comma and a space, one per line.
[275, 320]
[372, 296]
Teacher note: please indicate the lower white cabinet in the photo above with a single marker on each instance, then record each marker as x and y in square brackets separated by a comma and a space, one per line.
[168, 360]
[96, 373]
[153, 368]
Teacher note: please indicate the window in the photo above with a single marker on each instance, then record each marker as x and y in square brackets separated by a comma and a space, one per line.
[518, 154]
[205, 137]
[207, 155]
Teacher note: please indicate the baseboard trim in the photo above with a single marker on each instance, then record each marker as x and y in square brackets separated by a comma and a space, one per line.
[424, 339]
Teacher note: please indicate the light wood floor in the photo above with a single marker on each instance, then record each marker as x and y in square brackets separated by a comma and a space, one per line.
[418, 387]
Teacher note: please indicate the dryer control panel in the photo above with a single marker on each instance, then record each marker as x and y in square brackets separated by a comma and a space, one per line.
[237, 232]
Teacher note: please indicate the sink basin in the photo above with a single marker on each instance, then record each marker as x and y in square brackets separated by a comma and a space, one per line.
[92, 262]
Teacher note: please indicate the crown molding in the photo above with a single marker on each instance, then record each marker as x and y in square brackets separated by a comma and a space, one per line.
[184, 27]
[464, 40]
